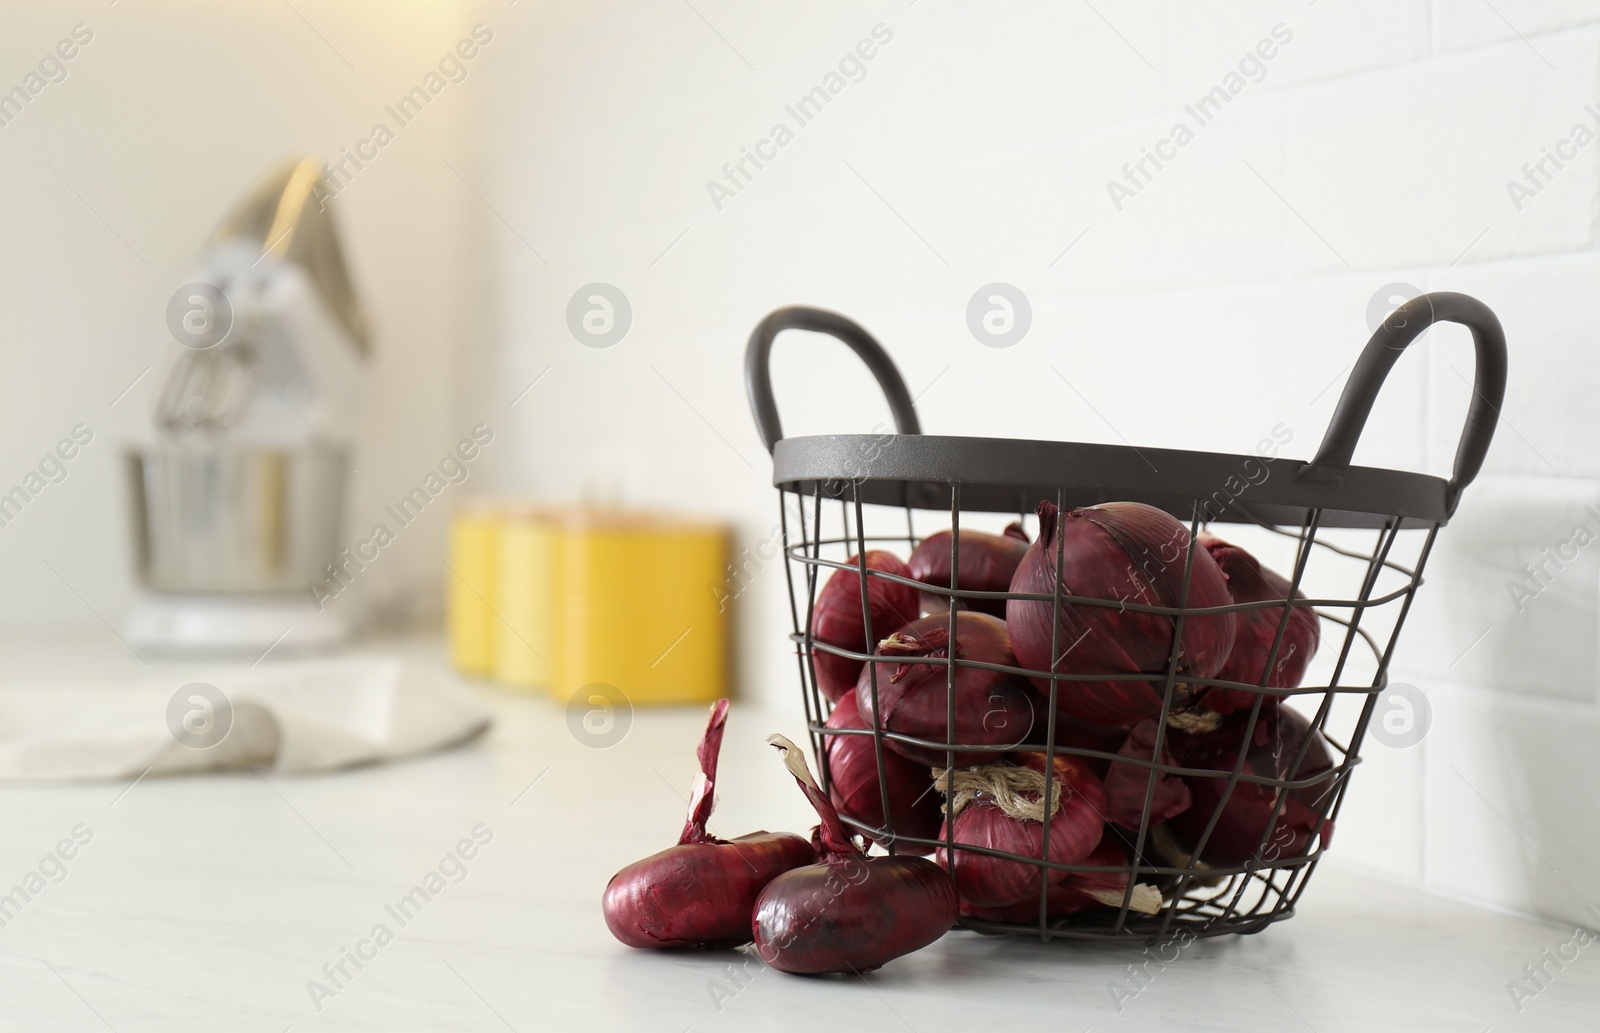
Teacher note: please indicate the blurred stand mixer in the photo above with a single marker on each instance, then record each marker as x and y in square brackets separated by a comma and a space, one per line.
[237, 497]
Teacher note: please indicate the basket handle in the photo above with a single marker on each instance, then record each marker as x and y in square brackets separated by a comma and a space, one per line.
[1404, 325]
[758, 374]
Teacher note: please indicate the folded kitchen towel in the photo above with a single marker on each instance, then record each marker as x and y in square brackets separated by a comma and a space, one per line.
[310, 715]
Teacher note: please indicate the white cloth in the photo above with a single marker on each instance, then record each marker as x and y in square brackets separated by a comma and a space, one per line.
[308, 715]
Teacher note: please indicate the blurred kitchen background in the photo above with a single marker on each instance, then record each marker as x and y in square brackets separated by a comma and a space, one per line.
[1198, 304]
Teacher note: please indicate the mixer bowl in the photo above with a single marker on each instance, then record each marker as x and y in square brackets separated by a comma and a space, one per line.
[235, 519]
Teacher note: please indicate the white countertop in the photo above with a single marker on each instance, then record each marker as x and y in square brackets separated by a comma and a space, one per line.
[209, 904]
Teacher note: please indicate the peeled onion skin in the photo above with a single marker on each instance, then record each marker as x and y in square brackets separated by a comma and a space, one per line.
[836, 618]
[854, 789]
[1241, 829]
[988, 563]
[1124, 552]
[1075, 831]
[850, 913]
[1250, 582]
[992, 708]
[700, 892]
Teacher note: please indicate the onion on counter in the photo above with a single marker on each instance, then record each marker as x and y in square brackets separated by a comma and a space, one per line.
[855, 790]
[836, 618]
[988, 563]
[700, 892]
[1127, 552]
[1002, 806]
[992, 708]
[1250, 582]
[849, 913]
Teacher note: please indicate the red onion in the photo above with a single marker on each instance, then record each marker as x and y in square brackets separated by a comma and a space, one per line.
[1080, 891]
[1250, 582]
[855, 790]
[988, 562]
[992, 708]
[1000, 807]
[1241, 830]
[1127, 784]
[700, 892]
[850, 912]
[836, 618]
[1128, 552]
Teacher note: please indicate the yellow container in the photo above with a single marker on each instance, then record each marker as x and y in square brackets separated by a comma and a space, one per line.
[635, 609]
[527, 587]
[470, 619]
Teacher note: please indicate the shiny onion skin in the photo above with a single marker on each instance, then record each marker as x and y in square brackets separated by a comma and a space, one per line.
[1242, 827]
[854, 788]
[988, 563]
[992, 708]
[836, 618]
[1127, 784]
[700, 892]
[1079, 892]
[850, 913]
[1250, 582]
[1118, 551]
[990, 821]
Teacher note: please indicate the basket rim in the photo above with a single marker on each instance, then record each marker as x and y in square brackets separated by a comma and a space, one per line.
[1009, 475]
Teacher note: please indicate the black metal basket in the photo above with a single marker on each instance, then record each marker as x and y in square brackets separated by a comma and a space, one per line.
[1377, 525]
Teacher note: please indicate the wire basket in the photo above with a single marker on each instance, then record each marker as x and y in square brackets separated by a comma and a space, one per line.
[1369, 530]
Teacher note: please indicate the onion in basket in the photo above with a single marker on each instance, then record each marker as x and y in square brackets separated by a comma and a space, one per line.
[1250, 582]
[1241, 833]
[1080, 891]
[836, 618]
[988, 563]
[1001, 807]
[854, 787]
[1124, 552]
[992, 708]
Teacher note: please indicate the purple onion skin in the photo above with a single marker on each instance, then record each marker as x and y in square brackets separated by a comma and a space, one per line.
[699, 894]
[1250, 582]
[1128, 784]
[992, 708]
[988, 563]
[1070, 896]
[1126, 552]
[1242, 827]
[854, 788]
[852, 914]
[836, 618]
[1075, 832]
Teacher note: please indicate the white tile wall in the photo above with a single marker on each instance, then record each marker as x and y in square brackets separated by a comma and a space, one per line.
[1408, 165]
